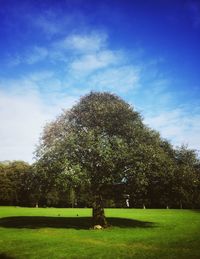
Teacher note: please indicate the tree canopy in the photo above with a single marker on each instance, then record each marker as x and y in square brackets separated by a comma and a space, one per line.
[98, 154]
[101, 142]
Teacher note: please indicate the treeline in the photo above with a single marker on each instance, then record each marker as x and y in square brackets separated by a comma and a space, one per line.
[171, 181]
[22, 185]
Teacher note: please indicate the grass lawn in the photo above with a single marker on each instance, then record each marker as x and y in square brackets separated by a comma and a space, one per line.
[64, 233]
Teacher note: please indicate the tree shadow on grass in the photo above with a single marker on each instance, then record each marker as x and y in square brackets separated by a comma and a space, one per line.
[5, 256]
[196, 210]
[67, 222]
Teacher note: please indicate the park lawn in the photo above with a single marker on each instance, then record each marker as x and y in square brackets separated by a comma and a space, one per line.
[64, 233]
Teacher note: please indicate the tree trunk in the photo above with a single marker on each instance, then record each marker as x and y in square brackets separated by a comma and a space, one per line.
[181, 205]
[98, 211]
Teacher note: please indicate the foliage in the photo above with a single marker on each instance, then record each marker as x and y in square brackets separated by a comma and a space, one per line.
[98, 153]
[100, 141]
[15, 183]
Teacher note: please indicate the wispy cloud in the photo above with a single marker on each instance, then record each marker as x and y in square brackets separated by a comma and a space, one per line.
[36, 54]
[87, 57]
[79, 63]
[83, 43]
[86, 48]
[91, 62]
[120, 79]
[47, 25]
[48, 22]
[22, 117]
[178, 125]
[28, 82]
[23, 114]
[31, 56]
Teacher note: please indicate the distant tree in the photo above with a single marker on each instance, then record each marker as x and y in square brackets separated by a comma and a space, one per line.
[186, 178]
[196, 193]
[49, 186]
[15, 183]
[150, 173]
[7, 187]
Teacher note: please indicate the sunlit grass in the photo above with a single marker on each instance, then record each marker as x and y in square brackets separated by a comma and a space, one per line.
[64, 233]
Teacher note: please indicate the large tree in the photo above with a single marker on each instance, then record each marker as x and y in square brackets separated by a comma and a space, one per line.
[99, 142]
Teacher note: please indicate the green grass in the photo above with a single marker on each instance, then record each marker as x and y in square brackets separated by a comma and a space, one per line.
[64, 233]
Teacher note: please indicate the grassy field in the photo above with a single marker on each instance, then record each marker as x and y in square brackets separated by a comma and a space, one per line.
[64, 233]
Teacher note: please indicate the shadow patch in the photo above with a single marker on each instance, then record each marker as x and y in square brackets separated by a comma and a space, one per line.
[67, 222]
[5, 256]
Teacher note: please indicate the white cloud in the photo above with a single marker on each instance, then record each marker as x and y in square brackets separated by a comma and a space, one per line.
[39, 76]
[14, 60]
[31, 81]
[12, 85]
[22, 117]
[81, 54]
[178, 125]
[23, 113]
[83, 43]
[51, 22]
[35, 55]
[78, 49]
[84, 60]
[90, 62]
[120, 79]
[47, 22]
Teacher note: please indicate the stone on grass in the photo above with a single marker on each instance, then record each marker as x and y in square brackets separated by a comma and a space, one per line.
[98, 227]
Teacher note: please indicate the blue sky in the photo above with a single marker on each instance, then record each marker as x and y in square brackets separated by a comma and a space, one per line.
[53, 52]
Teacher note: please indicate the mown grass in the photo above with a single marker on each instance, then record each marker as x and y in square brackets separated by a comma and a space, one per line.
[64, 233]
